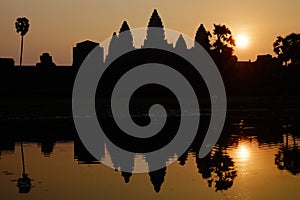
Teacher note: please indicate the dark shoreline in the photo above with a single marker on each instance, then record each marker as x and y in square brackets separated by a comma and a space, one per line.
[64, 105]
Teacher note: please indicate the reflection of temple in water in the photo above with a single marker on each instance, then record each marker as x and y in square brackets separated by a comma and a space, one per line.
[82, 155]
[157, 178]
[218, 168]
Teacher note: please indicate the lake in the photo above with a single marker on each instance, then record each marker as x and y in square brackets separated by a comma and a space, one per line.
[257, 157]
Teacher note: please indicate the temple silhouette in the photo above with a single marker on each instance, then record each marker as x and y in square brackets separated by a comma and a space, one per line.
[49, 82]
[263, 77]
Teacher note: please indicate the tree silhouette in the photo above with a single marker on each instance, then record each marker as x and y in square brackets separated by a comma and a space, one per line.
[22, 27]
[218, 169]
[224, 43]
[24, 183]
[202, 37]
[288, 48]
[288, 156]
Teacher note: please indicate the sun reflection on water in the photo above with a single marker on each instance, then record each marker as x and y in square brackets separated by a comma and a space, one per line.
[243, 153]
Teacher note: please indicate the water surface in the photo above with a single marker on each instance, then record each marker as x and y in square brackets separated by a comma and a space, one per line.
[257, 157]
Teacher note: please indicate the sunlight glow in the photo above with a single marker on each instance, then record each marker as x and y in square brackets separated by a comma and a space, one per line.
[242, 41]
[243, 153]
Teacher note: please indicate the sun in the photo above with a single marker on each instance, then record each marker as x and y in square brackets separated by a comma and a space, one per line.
[242, 41]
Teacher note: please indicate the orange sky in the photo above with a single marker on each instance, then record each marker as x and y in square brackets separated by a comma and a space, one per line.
[55, 26]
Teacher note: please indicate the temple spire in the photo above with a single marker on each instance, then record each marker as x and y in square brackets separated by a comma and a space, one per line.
[155, 20]
[113, 45]
[181, 44]
[124, 27]
[202, 38]
[155, 31]
[125, 37]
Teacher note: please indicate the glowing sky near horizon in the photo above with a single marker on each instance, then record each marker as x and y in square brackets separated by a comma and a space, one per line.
[55, 26]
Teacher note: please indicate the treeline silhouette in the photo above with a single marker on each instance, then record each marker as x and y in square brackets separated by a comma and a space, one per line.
[267, 76]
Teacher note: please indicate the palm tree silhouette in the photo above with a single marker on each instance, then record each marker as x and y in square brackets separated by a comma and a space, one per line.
[22, 27]
[24, 183]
